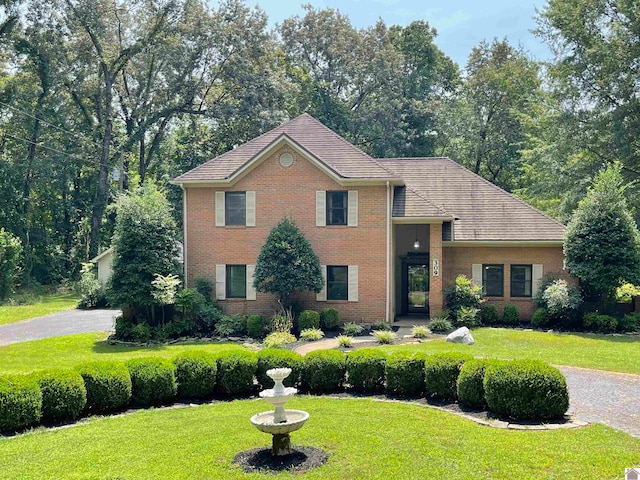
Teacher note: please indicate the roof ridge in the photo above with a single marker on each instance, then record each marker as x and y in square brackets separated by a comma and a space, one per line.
[502, 190]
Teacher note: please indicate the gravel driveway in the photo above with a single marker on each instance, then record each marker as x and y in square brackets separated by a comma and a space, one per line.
[58, 324]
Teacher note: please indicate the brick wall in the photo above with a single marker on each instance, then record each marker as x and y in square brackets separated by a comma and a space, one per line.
[291, 192]
[458, 260]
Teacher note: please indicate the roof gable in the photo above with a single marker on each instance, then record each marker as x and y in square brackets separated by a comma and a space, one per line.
[320, 143]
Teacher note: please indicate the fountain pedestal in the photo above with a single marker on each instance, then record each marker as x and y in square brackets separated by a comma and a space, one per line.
[279, 422]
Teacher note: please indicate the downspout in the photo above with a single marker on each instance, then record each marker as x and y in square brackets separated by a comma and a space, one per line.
[388, 282]
[184, 234]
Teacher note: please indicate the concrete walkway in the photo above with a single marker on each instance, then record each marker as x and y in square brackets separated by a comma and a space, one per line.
[58, 324]
[594, 395]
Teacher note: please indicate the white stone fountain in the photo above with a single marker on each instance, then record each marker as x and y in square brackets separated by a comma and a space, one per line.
[279, 422]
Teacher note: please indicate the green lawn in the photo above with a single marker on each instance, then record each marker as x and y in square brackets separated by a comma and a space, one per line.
[49, 303]
[603, 352]
[364, 439]
[85, 347]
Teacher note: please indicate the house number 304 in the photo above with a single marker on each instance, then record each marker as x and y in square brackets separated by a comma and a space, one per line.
[436, 267]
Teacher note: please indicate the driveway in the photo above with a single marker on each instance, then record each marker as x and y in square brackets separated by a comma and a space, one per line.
[58, 324]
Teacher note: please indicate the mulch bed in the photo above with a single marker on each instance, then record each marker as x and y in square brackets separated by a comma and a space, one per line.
[260, 460]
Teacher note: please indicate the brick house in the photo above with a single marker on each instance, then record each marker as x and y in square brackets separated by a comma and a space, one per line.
[390, 234]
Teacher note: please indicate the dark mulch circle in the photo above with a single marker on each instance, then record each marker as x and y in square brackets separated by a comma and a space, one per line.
[260, 460]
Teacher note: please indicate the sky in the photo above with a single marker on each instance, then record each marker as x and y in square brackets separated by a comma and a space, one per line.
[461, 24]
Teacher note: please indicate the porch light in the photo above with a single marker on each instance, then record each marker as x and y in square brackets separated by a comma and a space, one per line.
[416, 244]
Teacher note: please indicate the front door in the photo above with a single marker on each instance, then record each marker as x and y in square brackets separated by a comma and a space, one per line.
[415, 284]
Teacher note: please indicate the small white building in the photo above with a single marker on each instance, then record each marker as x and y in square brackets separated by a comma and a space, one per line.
[104, 261]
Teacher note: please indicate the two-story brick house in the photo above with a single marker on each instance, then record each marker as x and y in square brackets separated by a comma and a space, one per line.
[390, 234]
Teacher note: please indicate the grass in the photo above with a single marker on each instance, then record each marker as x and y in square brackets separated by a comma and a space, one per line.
[73, 350]
[601, 352]
[46, 304]
[364, 439]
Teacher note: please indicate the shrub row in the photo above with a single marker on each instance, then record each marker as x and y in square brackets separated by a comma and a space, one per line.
[519, 389]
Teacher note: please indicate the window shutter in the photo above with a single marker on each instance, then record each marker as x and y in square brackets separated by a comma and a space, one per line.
[353, 283]
[250, 203]
[321, 209]
[352, 209]
[322, 295]
[219, 209]
[221, 282]
[536, 275]
[251, 292]
[476, 274]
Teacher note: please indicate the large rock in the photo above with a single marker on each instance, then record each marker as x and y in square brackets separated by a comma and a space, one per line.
[461, 335]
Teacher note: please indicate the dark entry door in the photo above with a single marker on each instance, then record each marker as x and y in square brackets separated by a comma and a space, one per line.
[415, 284]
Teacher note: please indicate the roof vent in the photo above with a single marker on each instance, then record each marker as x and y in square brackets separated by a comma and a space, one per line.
[286, 160]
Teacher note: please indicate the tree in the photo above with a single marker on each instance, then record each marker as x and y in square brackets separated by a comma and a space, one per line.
[602, 244]
[10, 252]
[144, 245]
[287, 264]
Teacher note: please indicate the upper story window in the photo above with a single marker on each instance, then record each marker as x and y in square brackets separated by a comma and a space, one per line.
[493, 280]
[521, 276]
[235, 212]
[337, 208]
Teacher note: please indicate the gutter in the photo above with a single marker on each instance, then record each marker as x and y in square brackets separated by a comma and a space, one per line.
[388, 281]
[184, 233]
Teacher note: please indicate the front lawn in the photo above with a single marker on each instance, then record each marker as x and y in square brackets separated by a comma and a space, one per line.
[364, 439]
[588, 350]
[44, 305]
[86, 347]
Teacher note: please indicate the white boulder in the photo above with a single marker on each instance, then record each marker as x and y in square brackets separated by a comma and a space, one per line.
[461, 335]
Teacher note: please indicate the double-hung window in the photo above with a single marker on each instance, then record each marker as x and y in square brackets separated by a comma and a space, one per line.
[337, 283]
[493, 280]
[337, 208]
[521, 276]
[236, 281]
[236, 209]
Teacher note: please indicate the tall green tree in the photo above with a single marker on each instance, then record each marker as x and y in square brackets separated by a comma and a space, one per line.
[144, 246]
[287, 264]
[602, 243]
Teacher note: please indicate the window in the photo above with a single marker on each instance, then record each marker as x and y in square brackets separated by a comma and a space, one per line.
[337, 283]
[235, 208]
[493, 280]
[521, 280]
[236, 281]
[337, 208]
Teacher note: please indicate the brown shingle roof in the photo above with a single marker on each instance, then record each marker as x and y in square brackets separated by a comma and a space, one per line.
[485, 211]
[408, 203]
[335, 152]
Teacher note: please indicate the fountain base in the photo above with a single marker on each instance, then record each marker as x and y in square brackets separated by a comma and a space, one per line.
[281, 445]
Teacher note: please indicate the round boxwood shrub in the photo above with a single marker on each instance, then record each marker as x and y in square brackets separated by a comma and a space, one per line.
[323, 370]
[277, 358]
[256, 326]
[64, 395]
[441, 374]
[489, 314]
[471, 383]
[404, 372]
[20, 402]
[196, 374]
[236, 371]
[108, 386]
[309, 319]
[540, 318]
[153, 381]
[329, 319]
[511, 315]
[365, 369]
[526, 389]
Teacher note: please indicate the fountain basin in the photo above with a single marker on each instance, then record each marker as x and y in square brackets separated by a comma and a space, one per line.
[265, 422]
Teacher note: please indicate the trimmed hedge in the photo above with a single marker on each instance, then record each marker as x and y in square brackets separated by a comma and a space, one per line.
[441, 374]
[308, 319]
[236, 371]
[196, 374]
[324, 370]
[489, 314]
[329, 319]
[64, 395]
[526, 389]
[277, 358]
[470, 385]
[153, 381]
[540, 318]
[20, 402]
[108, 386]
[256, 326]
[404, 372]
[596, 322]
[511, 315]
[365, 369]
